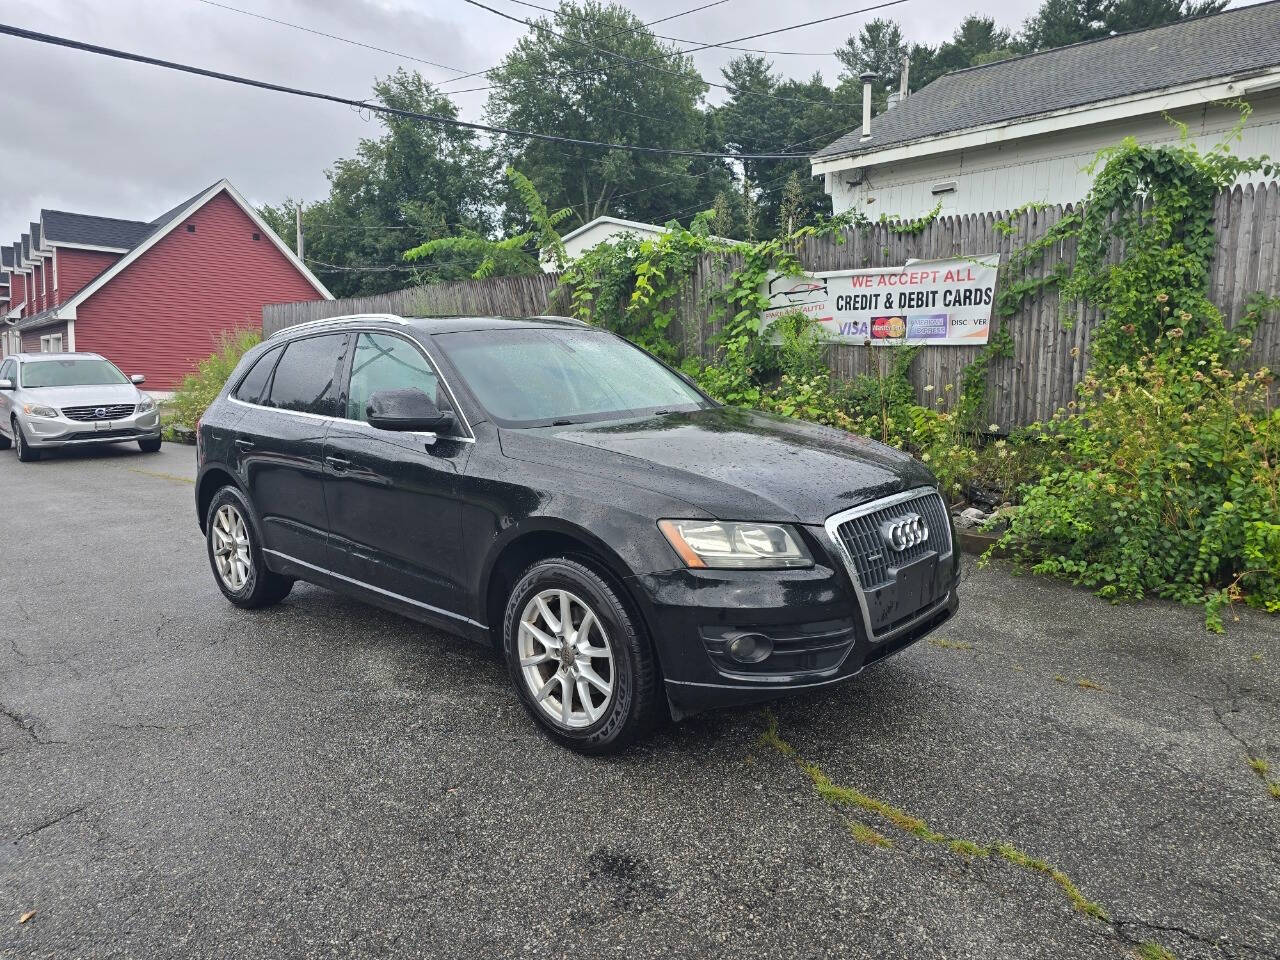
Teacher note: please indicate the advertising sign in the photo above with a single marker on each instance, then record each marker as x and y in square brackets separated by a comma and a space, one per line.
[931, 302]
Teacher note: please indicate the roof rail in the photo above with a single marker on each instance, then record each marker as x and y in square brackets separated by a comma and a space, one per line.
[346, 318]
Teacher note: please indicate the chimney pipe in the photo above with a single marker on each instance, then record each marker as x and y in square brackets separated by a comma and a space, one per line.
[866, 104]
[904, 82]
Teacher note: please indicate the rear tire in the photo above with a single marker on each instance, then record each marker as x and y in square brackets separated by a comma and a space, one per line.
[150, 445]
[235, 553]
[580, 661]
[25, 453]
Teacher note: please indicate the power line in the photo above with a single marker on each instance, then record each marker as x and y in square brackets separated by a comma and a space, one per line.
[674, 16]
[705, 46]
[774, 53]
[36, 36]
[332, 36]
[534, 25]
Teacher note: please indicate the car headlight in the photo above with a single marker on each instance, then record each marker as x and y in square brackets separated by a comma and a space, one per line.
[147, 404]
[733, 545]
[36, 410]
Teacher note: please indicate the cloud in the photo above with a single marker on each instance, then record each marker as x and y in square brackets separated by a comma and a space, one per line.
[126, 140]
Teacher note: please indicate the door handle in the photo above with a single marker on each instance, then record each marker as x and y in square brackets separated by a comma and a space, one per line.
[338, 464]
[244, 444]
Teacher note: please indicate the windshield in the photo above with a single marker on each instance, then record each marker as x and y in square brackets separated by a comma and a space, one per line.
[541, 377]
[81, 372]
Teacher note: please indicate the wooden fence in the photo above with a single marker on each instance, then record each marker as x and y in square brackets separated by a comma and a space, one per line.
[1049, 358]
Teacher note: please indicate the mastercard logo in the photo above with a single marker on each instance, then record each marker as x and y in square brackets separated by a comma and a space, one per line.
[888, 328]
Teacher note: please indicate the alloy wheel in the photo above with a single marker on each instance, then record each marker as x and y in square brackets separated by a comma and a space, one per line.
[231, 554]
[566, 658]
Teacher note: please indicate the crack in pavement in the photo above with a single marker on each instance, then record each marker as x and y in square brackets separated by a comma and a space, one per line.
[26, 834]
[838, 796]
[25, 722]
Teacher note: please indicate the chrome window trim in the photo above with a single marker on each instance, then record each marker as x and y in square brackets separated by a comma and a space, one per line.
[424, 434]
[345, 318]
[369, 586]
[832, 525]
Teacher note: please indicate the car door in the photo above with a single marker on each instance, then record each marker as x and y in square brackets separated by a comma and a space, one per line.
[395, 516]
[279, 444]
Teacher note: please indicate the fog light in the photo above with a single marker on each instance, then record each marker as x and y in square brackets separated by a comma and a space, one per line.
[748, 647]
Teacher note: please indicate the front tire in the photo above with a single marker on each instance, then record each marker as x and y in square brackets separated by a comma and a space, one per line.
[235, 553]
[150, 445]
[24, 450]
[580, 661]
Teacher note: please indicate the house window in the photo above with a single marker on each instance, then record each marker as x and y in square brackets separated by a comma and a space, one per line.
[191, 228]
[51, 343]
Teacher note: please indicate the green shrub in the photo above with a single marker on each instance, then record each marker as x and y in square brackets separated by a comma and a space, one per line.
[199, 389]
[1169, 485]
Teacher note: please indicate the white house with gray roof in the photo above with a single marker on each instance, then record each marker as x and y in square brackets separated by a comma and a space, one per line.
[998, 136]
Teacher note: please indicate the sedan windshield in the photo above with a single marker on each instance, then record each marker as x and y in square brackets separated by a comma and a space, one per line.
[544, 376]
[80, 372]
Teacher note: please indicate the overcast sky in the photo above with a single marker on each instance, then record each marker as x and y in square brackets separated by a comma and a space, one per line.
[92, 135]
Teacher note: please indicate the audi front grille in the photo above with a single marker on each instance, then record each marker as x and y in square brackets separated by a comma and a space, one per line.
[865, 544]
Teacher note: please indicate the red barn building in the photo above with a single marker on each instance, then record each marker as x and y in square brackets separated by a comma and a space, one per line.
[155, 297]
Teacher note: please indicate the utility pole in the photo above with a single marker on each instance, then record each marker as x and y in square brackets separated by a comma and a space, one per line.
[297, 214]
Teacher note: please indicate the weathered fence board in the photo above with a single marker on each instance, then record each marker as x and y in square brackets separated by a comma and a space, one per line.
[1049, 357]
[500, 296]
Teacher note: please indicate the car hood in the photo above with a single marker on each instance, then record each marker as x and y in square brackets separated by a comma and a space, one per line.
[734, 464]
[102, 394]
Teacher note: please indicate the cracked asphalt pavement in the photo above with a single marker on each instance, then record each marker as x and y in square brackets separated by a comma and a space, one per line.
[179, 778]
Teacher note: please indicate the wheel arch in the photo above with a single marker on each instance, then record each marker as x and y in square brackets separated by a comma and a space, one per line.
[549, 538]
[212, 479]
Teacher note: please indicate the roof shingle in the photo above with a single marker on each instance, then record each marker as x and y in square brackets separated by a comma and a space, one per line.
[1231, 43]
[82, 228]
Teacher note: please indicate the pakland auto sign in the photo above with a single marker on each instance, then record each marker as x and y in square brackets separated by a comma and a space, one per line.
[938, 302]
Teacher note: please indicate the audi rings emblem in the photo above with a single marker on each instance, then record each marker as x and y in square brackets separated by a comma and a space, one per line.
[903, 532]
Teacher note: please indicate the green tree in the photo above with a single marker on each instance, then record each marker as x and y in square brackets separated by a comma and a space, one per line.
[414, 182]
[518, 254]
[880, 48]
[577, 73]
[1060, 22]
[764, 114]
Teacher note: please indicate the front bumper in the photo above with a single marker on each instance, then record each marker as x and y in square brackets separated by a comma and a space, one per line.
[814, 620]
[46, 433]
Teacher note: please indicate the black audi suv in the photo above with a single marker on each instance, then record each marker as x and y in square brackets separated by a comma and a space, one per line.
[632, 547]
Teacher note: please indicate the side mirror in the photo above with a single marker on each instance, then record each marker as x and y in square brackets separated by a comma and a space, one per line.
[406, 410]
[6, 384]
[138, 378]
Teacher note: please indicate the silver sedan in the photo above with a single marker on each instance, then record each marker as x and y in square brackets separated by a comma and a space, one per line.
[50, 400]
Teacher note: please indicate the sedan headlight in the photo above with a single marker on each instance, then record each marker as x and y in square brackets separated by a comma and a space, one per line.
[36, 410]
[147, 404]
[732, 545]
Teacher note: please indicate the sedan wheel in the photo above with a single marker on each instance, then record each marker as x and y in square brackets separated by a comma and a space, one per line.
[566, 658]
[231, 553]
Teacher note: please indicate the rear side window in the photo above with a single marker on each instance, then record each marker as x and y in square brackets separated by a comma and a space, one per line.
[306, 378]
[8, 370]
[250, 389]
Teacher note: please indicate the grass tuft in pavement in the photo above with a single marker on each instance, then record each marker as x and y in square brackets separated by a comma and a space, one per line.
[950, 644]
[1079, 902]
[1263, 769]
[1150, 950]
[864, 834]
[842, 796]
